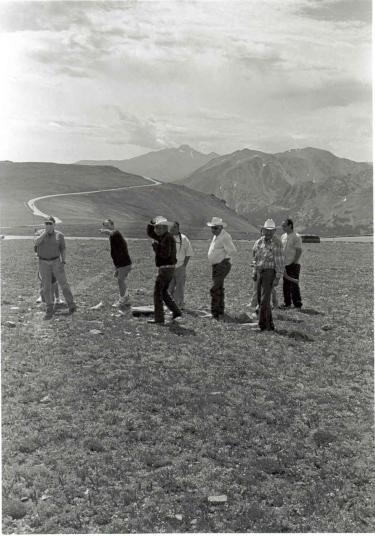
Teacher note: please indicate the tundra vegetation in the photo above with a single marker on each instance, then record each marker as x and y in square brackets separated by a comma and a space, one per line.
[111, 425]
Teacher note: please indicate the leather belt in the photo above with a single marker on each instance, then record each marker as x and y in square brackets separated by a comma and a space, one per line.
[53, 259]
[168, 266]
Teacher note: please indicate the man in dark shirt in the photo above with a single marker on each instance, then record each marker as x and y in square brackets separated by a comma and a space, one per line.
[164, 246]
[121, 260]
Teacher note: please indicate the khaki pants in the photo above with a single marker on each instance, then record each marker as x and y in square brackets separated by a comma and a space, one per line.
[47, 269]
[122, 274]
[177, 286]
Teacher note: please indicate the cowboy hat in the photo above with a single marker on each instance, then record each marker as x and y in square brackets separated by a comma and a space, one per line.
[269, 224]
[160, 220]
[216, 222]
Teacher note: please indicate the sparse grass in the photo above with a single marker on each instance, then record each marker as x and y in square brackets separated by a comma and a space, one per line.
[121, 432]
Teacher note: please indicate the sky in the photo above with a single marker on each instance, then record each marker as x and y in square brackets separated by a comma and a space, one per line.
[113, 80]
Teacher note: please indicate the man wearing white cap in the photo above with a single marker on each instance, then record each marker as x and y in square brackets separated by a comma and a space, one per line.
[219, 254]
[50, 248]
[268, 267]
[164, 246]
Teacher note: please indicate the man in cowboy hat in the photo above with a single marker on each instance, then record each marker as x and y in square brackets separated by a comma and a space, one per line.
[164, 246]
[292, 244]
[268, 267]
[50, 248]
[219, 254]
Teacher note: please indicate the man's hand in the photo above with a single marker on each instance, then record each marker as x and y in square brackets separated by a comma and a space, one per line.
[254, 276]
[105, 231]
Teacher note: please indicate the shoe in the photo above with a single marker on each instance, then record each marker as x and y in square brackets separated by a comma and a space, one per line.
[72, 309]
[283, 306]
[176, 315]
[155, 322]
[39, 300]
[59, 301]
[116, 304]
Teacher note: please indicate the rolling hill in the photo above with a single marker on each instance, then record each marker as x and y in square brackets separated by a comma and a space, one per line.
[131, 208]
[321, 192]
[166, 165]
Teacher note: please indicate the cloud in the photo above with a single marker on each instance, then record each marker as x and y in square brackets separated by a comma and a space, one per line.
[338, 10]
[331, 93]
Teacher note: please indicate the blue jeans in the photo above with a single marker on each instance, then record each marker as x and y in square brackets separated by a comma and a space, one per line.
[219, 273]
[265, 286]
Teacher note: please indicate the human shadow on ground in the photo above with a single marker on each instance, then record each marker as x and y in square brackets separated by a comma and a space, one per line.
[311, 312]
[279, 316]
[294, 334]
[177, 329]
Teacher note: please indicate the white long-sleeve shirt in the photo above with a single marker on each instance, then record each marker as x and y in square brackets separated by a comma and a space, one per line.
[221, 248]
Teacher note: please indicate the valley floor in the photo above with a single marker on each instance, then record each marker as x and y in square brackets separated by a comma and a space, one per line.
[137, 427]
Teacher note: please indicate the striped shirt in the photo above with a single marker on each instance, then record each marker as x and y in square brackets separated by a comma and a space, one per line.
[269, 255]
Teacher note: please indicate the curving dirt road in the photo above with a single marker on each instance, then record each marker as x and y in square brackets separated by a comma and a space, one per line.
[31, 204]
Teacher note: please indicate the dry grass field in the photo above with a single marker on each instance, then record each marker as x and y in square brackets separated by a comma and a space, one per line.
[135, 428]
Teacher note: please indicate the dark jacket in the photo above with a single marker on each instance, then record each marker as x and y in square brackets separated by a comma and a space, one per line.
[119, 249]
[164, 247]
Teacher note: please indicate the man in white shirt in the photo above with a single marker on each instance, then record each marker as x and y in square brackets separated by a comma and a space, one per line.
[292, 244]
[183, 253]
[219, 254]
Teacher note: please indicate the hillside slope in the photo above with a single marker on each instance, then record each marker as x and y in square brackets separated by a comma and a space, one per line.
[130, 208]
[165, 165]
[321, 192]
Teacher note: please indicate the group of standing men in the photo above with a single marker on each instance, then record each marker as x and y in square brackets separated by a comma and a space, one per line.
[273, 258]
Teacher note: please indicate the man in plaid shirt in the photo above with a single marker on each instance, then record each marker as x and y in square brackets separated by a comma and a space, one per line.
[268, 268]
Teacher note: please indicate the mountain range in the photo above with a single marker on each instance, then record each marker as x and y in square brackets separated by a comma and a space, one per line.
[130, 200]
[321, 192]
[166, 165]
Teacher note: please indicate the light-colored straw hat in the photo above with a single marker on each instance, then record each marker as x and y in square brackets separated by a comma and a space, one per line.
[269, 224]
[216, 222]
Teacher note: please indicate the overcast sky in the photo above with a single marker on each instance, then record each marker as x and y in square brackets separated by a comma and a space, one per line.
[98, 80]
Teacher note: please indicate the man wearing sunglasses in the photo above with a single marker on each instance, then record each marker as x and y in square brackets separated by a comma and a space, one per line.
[50, 248]
[219, 254]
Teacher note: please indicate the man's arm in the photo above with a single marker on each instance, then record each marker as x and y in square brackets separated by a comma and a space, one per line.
[188, 251]
[297, 255]
[254, 262]
[298, 248]
[39, 239]
[62, 249]
[229, 247]
[151, 232]
[279, 260]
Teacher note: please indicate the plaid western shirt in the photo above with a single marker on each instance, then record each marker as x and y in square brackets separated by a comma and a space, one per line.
[268, 255]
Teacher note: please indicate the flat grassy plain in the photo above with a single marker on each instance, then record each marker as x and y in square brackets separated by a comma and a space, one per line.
[132, 429]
